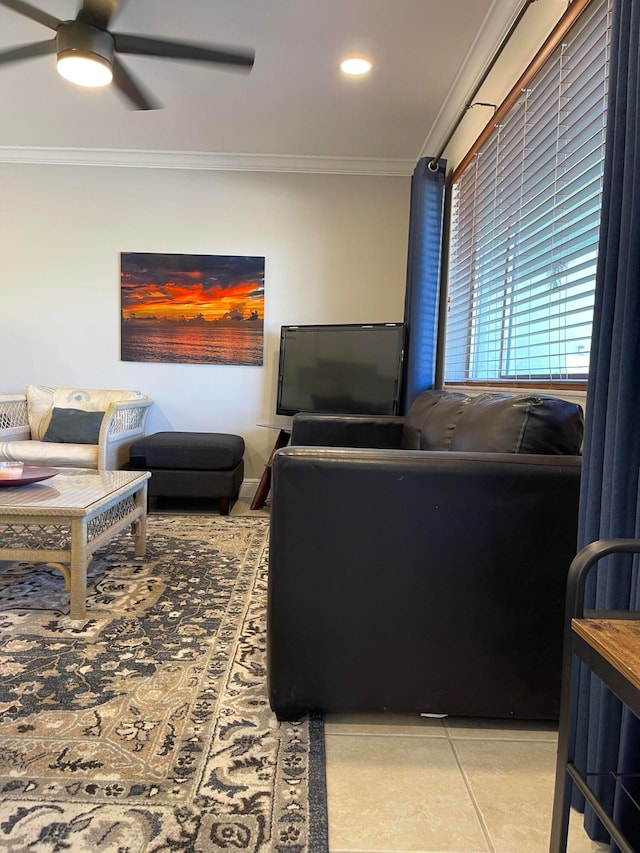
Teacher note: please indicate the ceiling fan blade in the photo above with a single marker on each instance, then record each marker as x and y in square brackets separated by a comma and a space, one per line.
[31, 12]
[129, 87]
[28, 51]
[98, 12]
[144, 46]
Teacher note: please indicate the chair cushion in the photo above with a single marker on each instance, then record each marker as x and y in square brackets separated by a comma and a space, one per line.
[494, 423]
[196, 451]
[42, 399]
[74, 426]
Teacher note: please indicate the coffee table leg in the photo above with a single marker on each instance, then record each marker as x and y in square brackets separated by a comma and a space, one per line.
[78, 569]
[140, 525]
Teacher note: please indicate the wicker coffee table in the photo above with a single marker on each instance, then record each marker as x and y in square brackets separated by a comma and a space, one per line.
[63, 520]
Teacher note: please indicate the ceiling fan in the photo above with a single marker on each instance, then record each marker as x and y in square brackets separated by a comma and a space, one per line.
[87, 50]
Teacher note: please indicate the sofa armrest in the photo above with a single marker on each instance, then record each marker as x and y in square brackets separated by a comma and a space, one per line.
[14, 423]
[122, 424]
[419, 581]
[346, 431]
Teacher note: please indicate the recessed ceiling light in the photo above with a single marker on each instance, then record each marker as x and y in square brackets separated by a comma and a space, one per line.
[355, 66]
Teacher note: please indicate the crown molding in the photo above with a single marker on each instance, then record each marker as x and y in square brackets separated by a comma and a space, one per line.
[540, 19]
[202, 160]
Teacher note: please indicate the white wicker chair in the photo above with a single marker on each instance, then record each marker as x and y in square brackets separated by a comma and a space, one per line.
[24, 419]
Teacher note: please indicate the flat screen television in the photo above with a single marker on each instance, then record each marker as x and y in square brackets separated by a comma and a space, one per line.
[349, 369]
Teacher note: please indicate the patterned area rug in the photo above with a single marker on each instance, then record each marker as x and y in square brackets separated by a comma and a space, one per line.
[147, 728]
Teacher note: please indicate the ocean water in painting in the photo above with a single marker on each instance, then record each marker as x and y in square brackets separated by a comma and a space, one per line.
[187, 343]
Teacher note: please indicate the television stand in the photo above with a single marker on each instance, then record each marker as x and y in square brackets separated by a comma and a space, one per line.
[265, 481]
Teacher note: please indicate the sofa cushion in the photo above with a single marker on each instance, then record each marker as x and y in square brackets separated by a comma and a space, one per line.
[74, 426]
[505, 423]
[494, 423]
[42, 399]
[49, 453]
[432, 419]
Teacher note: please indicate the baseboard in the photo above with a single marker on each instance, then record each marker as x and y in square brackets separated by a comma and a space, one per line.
[248, 488]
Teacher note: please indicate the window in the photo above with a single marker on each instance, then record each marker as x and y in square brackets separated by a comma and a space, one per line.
[525, 223]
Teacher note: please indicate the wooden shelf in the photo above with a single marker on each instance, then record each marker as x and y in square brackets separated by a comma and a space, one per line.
[617, 641]
[609, 644]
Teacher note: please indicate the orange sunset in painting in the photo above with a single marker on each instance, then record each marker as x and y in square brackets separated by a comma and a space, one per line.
[192, 309]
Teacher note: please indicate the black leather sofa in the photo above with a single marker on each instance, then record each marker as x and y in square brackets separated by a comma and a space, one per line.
[419, 564]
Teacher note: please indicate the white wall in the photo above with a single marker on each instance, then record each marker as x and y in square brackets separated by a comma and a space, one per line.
[335, 249]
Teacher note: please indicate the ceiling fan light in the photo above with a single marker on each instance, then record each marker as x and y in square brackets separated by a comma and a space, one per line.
[85, 69]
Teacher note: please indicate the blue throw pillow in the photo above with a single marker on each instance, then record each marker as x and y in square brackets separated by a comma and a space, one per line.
[74, 426]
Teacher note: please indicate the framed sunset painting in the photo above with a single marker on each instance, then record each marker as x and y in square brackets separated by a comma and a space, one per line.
[192, 309]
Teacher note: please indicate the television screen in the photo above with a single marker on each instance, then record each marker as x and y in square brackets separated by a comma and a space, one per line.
[345, 369]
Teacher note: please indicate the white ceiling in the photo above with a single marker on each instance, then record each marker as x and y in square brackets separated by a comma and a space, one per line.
[294, 103]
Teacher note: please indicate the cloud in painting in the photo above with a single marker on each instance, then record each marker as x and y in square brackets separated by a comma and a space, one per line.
[209, 271]
[173, 286]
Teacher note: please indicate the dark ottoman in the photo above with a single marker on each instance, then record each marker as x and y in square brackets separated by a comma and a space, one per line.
[191, 465]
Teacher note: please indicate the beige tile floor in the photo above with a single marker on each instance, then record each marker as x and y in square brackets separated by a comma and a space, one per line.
[403, 784]
[398, 783]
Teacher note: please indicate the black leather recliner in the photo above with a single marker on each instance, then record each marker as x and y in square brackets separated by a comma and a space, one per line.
[419, 564]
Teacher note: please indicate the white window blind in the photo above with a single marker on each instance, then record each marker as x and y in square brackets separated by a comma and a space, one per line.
[525, 223]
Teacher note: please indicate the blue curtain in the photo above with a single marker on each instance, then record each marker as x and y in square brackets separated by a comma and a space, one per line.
[423, 278]
[607, 735]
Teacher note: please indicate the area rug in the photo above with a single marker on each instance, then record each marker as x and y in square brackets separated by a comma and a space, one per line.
[147, 727]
